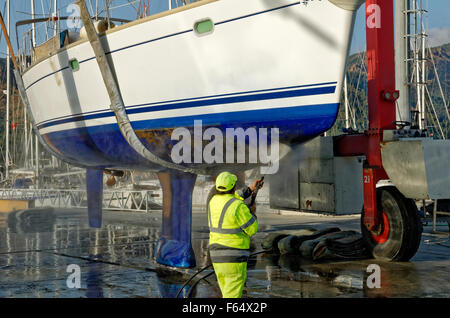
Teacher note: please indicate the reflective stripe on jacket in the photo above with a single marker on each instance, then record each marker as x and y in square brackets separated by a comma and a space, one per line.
[225, 254]
[231, 225]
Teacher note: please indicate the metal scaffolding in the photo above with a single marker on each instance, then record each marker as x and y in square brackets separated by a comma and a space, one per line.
[123, 200]
[410, 48]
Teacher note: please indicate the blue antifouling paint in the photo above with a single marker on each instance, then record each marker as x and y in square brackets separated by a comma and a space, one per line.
[94, 279]
[94, 188]
[169, 289]
[104, 145]
[174, 247]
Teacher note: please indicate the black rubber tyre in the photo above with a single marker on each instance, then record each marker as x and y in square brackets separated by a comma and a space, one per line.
[400, 237]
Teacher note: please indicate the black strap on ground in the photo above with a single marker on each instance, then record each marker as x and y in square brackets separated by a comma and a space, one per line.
[201, 270]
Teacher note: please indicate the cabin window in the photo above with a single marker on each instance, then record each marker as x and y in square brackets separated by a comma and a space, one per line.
[204, 26]
[74, 65]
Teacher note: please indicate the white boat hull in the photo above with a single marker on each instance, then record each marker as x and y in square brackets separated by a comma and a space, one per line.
[266, 64]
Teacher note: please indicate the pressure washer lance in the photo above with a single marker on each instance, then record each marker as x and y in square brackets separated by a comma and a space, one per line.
[255, 192]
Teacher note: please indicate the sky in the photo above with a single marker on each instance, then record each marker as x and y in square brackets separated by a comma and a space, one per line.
[437, 25]
[437, 21]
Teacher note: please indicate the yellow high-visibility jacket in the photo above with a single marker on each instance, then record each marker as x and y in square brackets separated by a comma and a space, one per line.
[231, 225]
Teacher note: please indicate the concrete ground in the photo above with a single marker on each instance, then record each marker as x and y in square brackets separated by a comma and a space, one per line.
[37, 246]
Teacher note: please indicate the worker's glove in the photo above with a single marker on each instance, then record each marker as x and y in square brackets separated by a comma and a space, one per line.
[257, 184]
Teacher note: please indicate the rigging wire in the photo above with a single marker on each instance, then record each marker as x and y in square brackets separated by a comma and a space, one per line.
[434, 110]
[357, 86]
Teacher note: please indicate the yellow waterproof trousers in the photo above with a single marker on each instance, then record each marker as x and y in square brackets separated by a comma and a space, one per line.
[231, 278]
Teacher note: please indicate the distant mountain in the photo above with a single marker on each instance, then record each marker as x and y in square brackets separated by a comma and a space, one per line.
[357, 88]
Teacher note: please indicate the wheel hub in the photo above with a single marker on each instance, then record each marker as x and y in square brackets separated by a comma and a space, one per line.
[381, 235]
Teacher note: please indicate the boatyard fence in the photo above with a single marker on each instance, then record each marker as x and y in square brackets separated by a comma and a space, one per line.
[123, 200]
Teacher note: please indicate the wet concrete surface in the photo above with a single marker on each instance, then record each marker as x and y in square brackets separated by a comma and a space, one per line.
[38, 245]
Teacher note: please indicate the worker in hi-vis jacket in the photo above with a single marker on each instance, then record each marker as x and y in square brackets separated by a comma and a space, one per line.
[231, 224]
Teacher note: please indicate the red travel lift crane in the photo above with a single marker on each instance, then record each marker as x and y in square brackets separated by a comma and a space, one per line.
[390, 222]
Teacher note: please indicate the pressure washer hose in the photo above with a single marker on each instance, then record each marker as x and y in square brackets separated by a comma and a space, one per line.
[209, 274]
[191, 278]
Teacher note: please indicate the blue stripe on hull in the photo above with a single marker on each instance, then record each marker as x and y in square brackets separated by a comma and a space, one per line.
[104, 146]
[223, 101]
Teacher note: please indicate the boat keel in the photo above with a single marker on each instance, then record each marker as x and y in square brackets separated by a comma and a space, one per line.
[174, 247]
[94, 188]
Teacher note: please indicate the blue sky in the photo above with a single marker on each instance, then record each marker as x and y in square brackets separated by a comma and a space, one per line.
[438, 23]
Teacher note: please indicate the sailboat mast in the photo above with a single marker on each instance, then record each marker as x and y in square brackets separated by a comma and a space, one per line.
[36, 165]
[33, 26]
[8, 88]
[25, 133]
[46, 23]
[423, 64]
[55, 16]
[25, 120]
[107, 2]
[402, 56]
